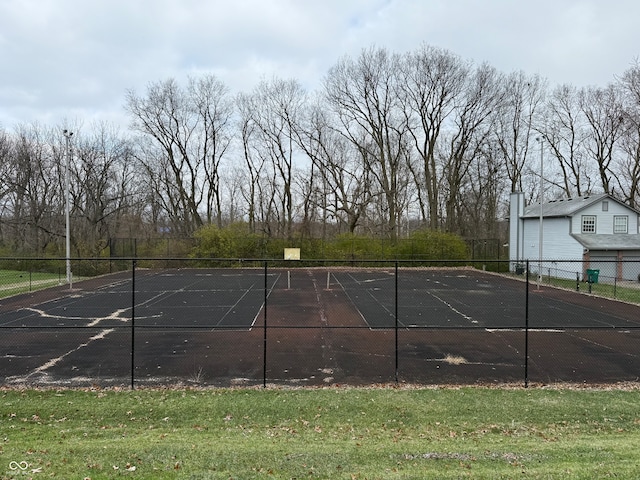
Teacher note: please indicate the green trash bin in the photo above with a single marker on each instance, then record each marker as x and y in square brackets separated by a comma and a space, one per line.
[592, 275]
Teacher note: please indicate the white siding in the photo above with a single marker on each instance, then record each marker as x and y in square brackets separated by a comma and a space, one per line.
[557, 245]
[604, 220]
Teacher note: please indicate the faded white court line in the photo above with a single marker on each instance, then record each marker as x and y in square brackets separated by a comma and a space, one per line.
[95, 321]
[535, 330]
[55, 361]
[116, 315]
[112, 316]
[451, 307]
[323, 316]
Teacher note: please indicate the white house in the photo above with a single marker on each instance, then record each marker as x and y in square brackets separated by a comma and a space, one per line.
[593, 232]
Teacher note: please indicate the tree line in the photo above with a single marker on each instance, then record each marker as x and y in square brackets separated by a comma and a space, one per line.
[388, 144]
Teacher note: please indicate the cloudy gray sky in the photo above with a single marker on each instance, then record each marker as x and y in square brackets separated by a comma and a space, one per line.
[75, 59]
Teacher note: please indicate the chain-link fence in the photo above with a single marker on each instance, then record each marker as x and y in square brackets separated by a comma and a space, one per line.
[152, 322]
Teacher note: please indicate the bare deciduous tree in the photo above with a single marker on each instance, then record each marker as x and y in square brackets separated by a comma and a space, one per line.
[276, 111]
[602, 107]
[189, 128]
[345, 182]
[252, 160]
[104, 171]
[35, 187]
[473, 124]
[431, 82]
[363, 96]
[516, 124]
[564, 133]
[630, 142]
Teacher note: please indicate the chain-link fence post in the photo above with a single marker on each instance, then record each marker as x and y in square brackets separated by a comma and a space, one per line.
[133, 321]
[526, 330]
[396, 323]
[264, 347]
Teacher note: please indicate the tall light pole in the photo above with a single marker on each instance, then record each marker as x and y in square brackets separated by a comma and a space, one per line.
[540, 233]
[67, 135]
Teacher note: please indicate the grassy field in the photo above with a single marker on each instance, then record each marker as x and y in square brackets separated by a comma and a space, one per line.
[624, 291]
[13, 282]
[350, 433]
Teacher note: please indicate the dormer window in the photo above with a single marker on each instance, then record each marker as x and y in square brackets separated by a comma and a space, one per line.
[620, 224]
[588, 224]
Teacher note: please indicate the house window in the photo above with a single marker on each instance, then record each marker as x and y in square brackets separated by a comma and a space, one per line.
[588, 224]
[605, 206]
[620, 224]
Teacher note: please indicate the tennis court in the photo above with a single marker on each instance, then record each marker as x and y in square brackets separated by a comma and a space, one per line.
[317, 325]
[460, 298]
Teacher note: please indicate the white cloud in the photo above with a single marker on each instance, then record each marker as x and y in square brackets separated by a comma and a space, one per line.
[67, 58]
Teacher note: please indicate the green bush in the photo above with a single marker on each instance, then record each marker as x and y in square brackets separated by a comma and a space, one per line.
[348, 246]
[432, 245]
[235, 241]
[211, 241]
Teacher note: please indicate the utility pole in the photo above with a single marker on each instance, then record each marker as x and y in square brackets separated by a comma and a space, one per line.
[67, 135]
[541, 235]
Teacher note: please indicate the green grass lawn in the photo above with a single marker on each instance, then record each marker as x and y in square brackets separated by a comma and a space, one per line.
[350, 433]
[624, 291]
[13, 282]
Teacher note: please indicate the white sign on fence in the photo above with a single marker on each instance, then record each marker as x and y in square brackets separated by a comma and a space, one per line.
[292, 254]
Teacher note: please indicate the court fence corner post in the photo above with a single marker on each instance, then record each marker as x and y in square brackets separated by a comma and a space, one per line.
[133, 322]
[264, 343]
[396, 322]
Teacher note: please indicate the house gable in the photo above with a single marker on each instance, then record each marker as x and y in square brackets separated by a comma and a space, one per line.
[612, 229]
[598, 232]
[602, 215]
[606, 214]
